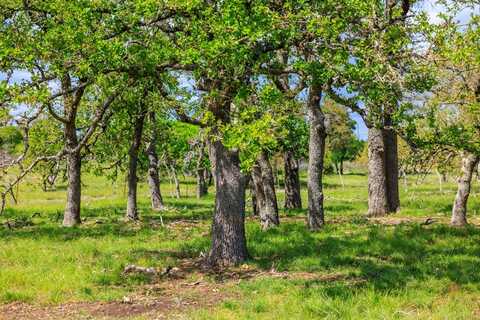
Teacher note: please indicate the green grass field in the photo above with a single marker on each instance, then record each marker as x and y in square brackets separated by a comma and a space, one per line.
[393, 268]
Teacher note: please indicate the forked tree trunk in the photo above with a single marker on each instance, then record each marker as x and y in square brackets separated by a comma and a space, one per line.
[391, 169]
[176, 181]
[316, 152]
[229, 245]
[132, 209]
[293, 198]
[377, 182]
[153, 176]
[71, 216]
[459, 210]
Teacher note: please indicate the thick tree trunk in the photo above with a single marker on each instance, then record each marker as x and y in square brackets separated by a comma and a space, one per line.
[377, 182]
[391, 169]
[316, 152]
[71, 216]
[270, 218]
[293, 198]
[459, 211]
[132, 210]
[153, 176]
[229, 245]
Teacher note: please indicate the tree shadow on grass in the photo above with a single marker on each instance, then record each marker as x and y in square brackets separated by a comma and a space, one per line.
[385, 258]
[96, 222]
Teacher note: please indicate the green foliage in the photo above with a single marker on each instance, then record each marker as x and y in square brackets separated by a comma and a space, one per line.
[342, 143]
[10, 138]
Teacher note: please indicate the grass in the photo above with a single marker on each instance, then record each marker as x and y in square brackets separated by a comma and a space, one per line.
[353, 269]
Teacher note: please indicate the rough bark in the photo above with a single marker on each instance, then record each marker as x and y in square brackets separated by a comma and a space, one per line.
[71, 215]
[132, 179]
[459, 210]
[270, 218]
[257, 185]
[229, 245]
[377, 182]
[316, 152]
[293, 198]
[153, 176]
[391, 169]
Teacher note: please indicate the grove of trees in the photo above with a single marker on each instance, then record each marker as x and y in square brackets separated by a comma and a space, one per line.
[225, 90]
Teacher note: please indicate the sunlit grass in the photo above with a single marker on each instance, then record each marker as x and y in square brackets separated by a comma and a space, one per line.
[406, 271]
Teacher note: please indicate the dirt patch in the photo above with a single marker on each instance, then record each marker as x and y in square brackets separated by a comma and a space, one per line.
[156, 301]
[192, 286]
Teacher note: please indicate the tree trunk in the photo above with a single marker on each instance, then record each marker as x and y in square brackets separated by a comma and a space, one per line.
[459, 211]
[132, 210]
[153, 177]
[253, 195]
[391, 169]
[229, 245]
[377, 182]
[176, 181]
[257, 184]
[270, 217]
[341, 167]
[316, 152]
[71, 216]
[293, 199]
[202, 184]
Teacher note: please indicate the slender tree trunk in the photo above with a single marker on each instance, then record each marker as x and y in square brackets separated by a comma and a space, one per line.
[229, 244]
[316, 152]
[202, 186]
[153, 176]
[257, 184]
[253, 195]
[341, 167]
[176, 181]
[377, 182]
[270, 218]
[132, 210]
[293, 199]
[71, 216]
[391, 169]
[459, 211]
